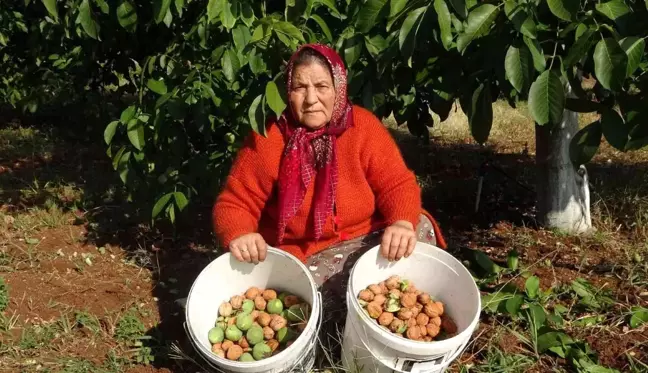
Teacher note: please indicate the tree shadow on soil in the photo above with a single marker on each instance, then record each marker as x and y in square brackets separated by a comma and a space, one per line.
[448, 174]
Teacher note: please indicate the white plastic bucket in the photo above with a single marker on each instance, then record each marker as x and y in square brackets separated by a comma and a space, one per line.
[225, 277]
[369, 348]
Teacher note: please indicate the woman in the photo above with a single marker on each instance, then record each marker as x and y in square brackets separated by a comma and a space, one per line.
[325, 182]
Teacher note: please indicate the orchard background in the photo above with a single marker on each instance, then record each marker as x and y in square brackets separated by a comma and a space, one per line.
[525, 122]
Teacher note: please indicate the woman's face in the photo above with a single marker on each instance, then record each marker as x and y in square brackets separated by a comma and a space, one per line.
[312, 95]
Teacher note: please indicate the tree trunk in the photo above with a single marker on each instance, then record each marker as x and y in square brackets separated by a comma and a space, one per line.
[563, 198]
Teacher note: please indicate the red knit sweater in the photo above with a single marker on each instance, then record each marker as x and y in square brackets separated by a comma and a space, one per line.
[375, 189]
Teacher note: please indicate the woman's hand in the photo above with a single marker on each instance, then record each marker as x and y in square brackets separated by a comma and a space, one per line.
[398, 240]
[250, 248]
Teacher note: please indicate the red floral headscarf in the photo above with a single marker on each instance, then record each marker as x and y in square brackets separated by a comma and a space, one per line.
[310, 153]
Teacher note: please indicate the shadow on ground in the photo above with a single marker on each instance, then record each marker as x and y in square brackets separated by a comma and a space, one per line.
[447, 173]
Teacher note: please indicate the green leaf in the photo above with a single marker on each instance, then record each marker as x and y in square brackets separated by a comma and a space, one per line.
[241, 35]
[256, 62]
[127, 114]
[160, 9]
[585, 143]
[549, 340]
[634, 49]
[368, 15]
[579, 49]
[127, 16]
[479, 22]
[610, 64]
[229, 14]
[492, 301]
[353, 49]
[481, 113]
[274, 99]
[460, 7]
[408, 24]
[615, 130]
[50, 5]
[445, 22]
[322, 24]
[639, 317]
[289, 29]
[521, 20]
[539, 61]
[375, 45]
[247, 15]
[564, 9]
[110, 130]
[231, 64]
[215, 8]
[547, 98]
[257, 115]
[180, 200]
[484, 262]
[136, 133]
[532, 286]
[537, 315]
[86, 19]
[161, 204]
[179, 4]
[396, 6]
[512, 259]
[613, 9]
[517, 65]
[103, 5]
[407, 36]
[157, 86]
[514, 304]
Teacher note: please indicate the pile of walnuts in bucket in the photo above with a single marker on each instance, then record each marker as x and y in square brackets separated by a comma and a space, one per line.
[398, 306]
[257, 324]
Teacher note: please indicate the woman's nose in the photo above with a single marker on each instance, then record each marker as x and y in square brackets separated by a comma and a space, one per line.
[311, 96]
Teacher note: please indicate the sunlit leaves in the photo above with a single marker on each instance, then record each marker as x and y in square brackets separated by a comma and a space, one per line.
[610, 64]
[547, 98]
[517, 65]
[127, 15]
[564, 9]
[50, 5]
[479, 21]
[87, 21]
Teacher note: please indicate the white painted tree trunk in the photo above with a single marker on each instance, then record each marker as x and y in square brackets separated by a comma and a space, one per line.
[562, 190]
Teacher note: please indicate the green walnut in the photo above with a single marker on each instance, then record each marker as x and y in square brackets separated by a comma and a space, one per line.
[216, 335]
[221, 325]
[246, 358]
[285, 334]
[282, 296]
[297, 312]
[244, 322]
[261, 351]
[233, 333]
[275, 306]
[248, 306]
[254, 335]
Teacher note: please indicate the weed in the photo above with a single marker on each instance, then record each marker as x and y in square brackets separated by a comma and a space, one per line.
[4, 295]
[129, 327]
[36, 336]
[86, 320]
[7, 322]
[496, 361]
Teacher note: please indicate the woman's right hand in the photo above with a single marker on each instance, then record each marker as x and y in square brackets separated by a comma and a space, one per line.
[250, 248]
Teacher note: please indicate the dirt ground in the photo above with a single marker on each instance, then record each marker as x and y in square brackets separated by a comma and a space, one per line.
[91, 289]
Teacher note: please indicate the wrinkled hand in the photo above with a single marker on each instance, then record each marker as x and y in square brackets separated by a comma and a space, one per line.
[250, 248]
[398, 240]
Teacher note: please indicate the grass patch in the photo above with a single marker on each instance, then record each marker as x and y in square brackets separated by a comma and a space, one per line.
[129, 327]
[37, 336]
[497, 361]
[17, 143]
[4, 295]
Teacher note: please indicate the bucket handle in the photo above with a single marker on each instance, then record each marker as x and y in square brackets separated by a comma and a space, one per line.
[452, 358]
[217, 369]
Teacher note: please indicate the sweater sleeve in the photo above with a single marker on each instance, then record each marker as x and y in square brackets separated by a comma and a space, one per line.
[238, 208]
[397, 193]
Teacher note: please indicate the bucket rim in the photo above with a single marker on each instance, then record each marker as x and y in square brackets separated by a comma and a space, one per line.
[273, 359]
[408, 343]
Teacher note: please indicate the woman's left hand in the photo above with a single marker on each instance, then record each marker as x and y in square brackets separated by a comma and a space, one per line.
[398, 240]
